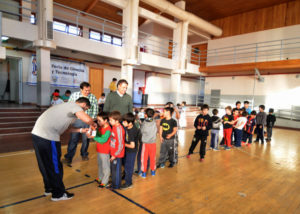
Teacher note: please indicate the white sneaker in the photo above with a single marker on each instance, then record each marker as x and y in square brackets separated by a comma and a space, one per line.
[66, 196]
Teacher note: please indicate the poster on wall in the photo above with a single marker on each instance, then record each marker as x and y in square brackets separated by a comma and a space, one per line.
[63, 73]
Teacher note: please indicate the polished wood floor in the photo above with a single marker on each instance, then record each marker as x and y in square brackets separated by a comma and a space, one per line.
[261, 179]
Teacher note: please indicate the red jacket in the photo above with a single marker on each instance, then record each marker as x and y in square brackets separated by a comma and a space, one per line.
[103, 148]
[117, 142]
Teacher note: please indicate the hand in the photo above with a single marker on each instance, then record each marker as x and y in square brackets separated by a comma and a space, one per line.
[161, 140]
[198, 127]
[112, 158]
[88, 135]
[203, 128]
[260, 126]
[85, 130]
[168, 136]
[94, 126]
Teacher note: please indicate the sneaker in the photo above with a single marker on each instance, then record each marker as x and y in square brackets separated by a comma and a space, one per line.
[47, 192]
[227, 148]
[201, 159]
[152, 173]
[85, 158]
[160, 166]
[98, 180]
[101, 185]
[67, 161]
[256, 141]
[65, 196]
[249, 144]
[216, 149]
[171, 165]
[136, 172]
[143, 175]
[126, 186]
[188, 156]
[140, 173]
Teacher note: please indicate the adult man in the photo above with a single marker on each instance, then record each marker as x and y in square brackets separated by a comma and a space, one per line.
[85, 91]
[112, 86]
[119, 100]
[46, 141]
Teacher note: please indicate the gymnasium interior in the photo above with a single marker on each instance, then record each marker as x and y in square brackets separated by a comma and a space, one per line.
[214, 52]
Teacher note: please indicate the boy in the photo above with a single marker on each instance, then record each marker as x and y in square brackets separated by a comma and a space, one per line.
[261, 120]
[167, 132]
[239, 127]
[149, 131]
[203, 125]
[236, 115]
[117, 144]
[66, 96]
[246, 107]
[101, 101]
[216, 123]
[271, 119]
[249, 128]
[56, 99]
[131, 143]
[227, 127]
[103, 148]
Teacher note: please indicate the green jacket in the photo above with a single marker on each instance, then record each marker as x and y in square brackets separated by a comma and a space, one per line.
[114, 102]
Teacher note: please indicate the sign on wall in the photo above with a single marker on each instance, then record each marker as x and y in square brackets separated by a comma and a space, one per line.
[63, 73]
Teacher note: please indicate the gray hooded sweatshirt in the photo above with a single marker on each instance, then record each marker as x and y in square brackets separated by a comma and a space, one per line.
[149, 131]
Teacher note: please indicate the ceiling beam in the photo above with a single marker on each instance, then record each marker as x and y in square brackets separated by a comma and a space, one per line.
[117, 3]
[91, 6]
[199, 33]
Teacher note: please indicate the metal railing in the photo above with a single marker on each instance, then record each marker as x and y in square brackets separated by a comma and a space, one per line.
[149, 43]
[292, 114]
[86, 22]
[27, 11]
[254, 52]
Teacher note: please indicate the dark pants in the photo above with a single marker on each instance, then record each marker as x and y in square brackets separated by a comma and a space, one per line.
[269, 132]
[238, 137]
[195, 141]
[247, 136]
[116, 172]
[167, 151]
[48, 155]
[74, 141]
[260, 133]
[129, 166]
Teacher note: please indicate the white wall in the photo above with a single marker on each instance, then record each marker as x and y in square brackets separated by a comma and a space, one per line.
[277, 91]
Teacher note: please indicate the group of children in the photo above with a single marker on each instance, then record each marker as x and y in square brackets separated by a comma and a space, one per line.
[239, 124]
[119, 139]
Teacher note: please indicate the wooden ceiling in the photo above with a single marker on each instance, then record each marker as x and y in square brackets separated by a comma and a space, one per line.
[206, 9]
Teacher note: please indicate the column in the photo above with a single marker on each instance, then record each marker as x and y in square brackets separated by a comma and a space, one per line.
[130, 21]
[180, 37]
[44, 45]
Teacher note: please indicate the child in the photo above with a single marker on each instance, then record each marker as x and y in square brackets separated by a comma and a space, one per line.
[239, 127]
[227, 127]
[167, 132]
[141, 114]
[202, 124]
[101, 101]
[216, 123]
[149, 131]
[261, 120]
[246, 107]
[103, 148]
[271, 119]
[117, 144]
[66, 96]
[249, 128]
[131, 143]
[56, 99]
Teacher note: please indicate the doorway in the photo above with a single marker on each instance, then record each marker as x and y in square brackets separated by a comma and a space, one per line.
[96, 81]
[11, 80]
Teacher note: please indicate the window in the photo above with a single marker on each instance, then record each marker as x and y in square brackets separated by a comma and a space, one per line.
[67, 28]
[32, 19]
[59, 26]
[95, 35]
[73, 31]
[117, 41]
[106, 38]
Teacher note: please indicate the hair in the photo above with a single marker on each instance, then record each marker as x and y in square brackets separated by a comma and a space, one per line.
[238, 102]
[84, 85]
[246, 102]
[116, 115]
[84, 100]
[215, 111]
[122, 81]
[56, 90]
[68, 92]
[169, 103]
[228, 107]
[114, 79]
[169, 109]
[271, 110]
[253, 112]
[103, 115]
[244, 114]
[205, 106]
[103, 94]
[149, 112]
[178, 104]
[184, 102]
[129, 118]
[234, 109]
[262, 107]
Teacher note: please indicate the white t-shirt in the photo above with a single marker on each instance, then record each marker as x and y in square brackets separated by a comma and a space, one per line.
[241, 122]
[56, 102]
[101, 100]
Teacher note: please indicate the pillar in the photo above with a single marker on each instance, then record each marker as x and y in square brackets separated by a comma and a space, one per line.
[130, 21]
[44, 45]
[180, 37]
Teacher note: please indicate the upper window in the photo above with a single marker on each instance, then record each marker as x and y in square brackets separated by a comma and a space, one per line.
[67, 28]
[98, 36]
[117, 41]
[60, 26]
[95, 35]
[106, 38]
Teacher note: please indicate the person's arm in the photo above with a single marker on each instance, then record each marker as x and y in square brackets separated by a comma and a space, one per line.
[177, 113]
[209, 126]
[173, 133]
[196, 122]
[102, 138]
[84, 117]
[130, 145]
[160, 134]
[106, 107]
[120, 140]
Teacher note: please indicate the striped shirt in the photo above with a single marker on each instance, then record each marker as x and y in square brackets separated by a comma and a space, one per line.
[93, 111]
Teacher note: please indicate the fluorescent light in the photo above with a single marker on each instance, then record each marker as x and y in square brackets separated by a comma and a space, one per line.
[4, 38]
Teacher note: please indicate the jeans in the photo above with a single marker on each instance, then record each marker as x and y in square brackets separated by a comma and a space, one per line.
[247, 136]
[214, 143]
[238, 135]
[269, 132]
[129, 166]
[72, 145]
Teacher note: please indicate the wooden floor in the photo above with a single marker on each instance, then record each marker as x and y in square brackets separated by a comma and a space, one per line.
[261, 179]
